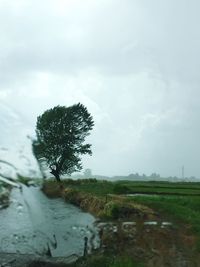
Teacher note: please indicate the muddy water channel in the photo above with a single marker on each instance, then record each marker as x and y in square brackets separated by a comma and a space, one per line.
[34, 224]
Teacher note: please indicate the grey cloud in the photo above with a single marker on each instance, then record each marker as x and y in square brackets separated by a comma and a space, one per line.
[133, 63]
[132, 37]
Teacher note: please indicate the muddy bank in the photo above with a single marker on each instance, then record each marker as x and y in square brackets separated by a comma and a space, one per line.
[108, 207]
[156, 243]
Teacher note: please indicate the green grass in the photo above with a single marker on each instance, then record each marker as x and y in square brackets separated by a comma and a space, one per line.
[164, 190]
[162, 187]
[99, 188]
[108, 261]
[161, 184]
[102, 188]
[125, 262]
[184, 210]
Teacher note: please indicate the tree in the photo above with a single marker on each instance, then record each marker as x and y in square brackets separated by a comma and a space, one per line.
[61, 133]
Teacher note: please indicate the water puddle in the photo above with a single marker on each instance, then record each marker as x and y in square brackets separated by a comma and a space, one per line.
[166, 224]
[34, 224]
[151, 223]
[131, 226]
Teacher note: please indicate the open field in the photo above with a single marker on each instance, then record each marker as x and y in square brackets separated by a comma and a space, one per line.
[102, 187]
[182, 209]
[181, 188]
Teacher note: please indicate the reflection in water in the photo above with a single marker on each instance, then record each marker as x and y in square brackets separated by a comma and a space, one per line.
[35, 224]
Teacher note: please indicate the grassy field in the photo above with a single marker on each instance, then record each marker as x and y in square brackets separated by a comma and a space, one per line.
[162, 187]
[184, 209]
[101, 188]
[178, 203]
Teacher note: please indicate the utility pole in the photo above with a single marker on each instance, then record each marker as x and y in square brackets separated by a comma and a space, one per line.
[183, 172]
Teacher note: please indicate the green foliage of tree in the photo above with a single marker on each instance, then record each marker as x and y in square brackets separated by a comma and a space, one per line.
[61, 133]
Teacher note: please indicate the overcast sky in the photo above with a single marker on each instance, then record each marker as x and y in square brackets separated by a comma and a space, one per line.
[134, 63]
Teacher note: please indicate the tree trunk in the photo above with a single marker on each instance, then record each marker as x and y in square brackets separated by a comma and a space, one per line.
[56, 175]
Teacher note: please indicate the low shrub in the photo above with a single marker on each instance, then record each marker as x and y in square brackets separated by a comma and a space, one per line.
[120, 189]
